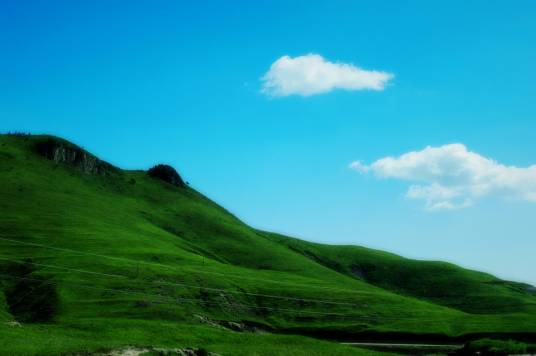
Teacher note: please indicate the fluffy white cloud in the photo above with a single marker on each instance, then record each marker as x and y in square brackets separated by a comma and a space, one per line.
[452, 177]
[312, 74]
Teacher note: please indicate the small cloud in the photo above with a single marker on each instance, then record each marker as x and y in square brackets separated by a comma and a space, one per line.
[359, 166]
[311, 74]
[452, 177]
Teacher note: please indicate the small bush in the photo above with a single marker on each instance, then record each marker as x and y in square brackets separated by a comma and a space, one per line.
[202, 352]
[142, 304]
[30, 298]
[33, 301]
[167, 174]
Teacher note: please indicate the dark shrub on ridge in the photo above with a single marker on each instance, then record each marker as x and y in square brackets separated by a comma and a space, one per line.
[167, 174]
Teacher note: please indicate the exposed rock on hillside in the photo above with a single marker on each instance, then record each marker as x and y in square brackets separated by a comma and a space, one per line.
[242, 326]
[167, 174]
[61, 151]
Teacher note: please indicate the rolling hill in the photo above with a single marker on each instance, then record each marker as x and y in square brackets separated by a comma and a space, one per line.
[93, 257]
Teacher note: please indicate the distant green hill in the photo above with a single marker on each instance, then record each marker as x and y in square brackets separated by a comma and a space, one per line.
[438, 282]
[94, 257]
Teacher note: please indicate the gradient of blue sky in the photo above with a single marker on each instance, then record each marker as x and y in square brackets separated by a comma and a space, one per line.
[139, 82]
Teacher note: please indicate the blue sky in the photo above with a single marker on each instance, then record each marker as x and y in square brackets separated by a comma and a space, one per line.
[139, 83]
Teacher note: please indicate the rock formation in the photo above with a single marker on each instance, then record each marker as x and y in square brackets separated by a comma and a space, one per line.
[64, 152]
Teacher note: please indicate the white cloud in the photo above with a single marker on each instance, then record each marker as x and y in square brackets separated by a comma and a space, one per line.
[452, 177]
[312, 74]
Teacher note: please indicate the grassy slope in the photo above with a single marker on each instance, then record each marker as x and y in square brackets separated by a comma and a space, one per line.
[161, 235]
[439, 282]
[92, 336]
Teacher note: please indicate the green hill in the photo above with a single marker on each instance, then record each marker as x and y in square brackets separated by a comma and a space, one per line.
[438, 282]
[94, 257]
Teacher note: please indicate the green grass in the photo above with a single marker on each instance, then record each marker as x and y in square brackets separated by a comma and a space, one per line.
[439, 282]
[171, 245]
[499, 347]
[101, 335]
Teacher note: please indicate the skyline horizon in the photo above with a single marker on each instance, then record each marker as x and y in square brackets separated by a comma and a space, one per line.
[273, 229]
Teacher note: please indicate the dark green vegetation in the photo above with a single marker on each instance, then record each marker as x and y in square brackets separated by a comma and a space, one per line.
[498, 347]
[30, 298]
[167, 174]
[120, 258]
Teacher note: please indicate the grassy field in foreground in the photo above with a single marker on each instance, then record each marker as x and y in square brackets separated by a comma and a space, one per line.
[103, 335]
[127, 257]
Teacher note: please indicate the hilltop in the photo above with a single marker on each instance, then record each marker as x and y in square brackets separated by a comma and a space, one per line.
[94, 257]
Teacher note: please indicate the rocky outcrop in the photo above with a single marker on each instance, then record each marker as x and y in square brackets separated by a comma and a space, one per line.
[138, 351]
[64, 152]
[241, 326]
[167, 174]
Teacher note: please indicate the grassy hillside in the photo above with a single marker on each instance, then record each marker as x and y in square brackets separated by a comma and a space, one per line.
[439, 282]
[118, 257]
